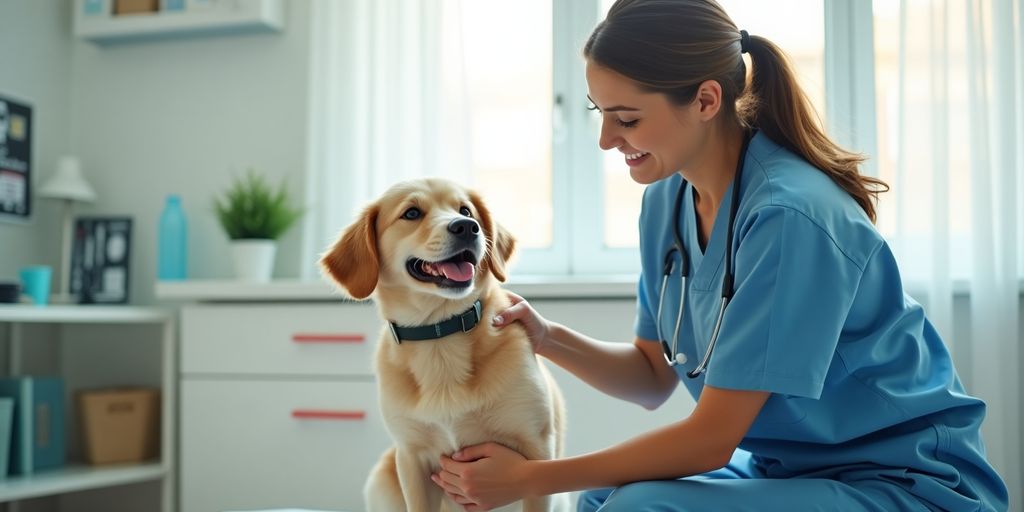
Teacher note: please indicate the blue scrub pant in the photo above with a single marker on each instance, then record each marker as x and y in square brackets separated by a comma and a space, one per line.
[734, 488]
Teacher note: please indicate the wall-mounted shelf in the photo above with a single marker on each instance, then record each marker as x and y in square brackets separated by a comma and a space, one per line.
[95, 20]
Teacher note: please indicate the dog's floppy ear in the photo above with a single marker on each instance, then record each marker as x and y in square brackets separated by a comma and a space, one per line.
[500, 243]
[353, 261]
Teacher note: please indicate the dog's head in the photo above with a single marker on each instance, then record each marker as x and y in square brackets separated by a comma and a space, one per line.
[429, 235]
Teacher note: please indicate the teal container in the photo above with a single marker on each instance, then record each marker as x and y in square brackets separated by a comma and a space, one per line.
[6, 422]
[36, 283]
[172, 253]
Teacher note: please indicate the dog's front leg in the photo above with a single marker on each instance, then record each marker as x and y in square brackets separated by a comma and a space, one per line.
[533, 450]
[421, 495]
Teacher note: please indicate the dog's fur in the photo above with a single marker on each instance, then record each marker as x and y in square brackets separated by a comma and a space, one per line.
[441, 395]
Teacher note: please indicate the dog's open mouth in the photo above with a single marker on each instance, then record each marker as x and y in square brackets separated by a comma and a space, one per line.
[454, 272]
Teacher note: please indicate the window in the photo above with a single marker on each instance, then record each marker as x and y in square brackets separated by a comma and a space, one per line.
[535, 156]
[532, 144]
[910, 155]
[508, 74]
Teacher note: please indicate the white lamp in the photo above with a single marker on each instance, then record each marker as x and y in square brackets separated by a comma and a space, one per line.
[68, 185]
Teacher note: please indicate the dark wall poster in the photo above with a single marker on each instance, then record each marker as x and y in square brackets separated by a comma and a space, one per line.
[15, 159]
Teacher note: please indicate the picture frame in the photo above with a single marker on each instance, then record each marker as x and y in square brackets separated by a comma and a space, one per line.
[101, 259]
[15, 159]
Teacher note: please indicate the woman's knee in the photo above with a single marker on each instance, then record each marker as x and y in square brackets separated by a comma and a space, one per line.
[590, 501]
[632, 497]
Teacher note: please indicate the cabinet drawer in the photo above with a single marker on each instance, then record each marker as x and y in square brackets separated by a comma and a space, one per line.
[294, 339]
[252, 445]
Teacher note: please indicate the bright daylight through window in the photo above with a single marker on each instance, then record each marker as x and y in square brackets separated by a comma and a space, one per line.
[510, 75]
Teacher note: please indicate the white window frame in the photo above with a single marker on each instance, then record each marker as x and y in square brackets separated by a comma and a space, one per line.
[581, 159]
[850, 78]
[554, 260]
[577, 193]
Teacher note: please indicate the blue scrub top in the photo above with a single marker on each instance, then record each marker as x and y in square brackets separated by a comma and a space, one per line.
[862, 386]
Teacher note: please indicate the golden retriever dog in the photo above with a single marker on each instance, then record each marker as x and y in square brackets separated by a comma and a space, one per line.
[432, 257]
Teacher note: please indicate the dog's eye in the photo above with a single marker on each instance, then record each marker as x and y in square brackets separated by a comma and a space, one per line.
[465, 211]
[412, 214]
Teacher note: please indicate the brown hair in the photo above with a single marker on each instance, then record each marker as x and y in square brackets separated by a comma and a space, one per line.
[672, 46]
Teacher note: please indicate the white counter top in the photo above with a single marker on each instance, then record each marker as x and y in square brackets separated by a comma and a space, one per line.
[531, 287]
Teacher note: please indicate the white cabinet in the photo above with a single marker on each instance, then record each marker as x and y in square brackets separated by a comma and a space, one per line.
[282, 339]
[274, 443]
[97, 346]
[279, 404]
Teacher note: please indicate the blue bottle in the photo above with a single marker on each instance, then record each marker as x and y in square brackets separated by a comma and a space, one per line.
[172, 255]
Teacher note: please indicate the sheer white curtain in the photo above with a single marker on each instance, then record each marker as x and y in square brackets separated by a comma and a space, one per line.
[955, 133]
[387, 103]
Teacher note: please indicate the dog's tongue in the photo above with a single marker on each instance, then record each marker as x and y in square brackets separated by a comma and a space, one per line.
[462, 271]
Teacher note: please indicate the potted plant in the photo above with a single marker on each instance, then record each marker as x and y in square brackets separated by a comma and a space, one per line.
[254, 215]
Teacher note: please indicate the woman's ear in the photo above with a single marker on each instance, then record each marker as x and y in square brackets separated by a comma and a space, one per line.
[709, 96]
[500, 243]
[353, 261]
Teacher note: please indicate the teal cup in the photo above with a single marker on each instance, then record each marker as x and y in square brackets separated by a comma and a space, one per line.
[35, 282]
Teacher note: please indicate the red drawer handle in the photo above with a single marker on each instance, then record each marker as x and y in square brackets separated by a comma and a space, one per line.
[328, 338]
[320, 414]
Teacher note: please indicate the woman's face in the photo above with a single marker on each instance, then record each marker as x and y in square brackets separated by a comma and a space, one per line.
[656, 137]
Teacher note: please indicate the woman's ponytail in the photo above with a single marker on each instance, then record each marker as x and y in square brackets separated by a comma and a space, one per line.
[776, 105]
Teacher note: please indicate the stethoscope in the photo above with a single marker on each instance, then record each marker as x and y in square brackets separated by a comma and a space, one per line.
[672, 354]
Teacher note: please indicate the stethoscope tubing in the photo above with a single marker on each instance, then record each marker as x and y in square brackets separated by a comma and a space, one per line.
[679, 318]
[672, 354]
[703, 366]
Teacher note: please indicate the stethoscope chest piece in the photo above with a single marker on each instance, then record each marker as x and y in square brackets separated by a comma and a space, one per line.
[678, 359]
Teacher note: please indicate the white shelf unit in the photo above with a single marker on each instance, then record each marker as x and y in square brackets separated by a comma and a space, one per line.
[74, 476]
[206, 17]
[82, 314]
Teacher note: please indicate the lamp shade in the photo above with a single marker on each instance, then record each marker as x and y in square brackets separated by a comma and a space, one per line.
[67, 182]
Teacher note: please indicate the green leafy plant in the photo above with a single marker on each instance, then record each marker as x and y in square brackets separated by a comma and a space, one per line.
[252, 209]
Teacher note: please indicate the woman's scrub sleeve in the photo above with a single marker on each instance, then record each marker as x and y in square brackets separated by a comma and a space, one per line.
[794, 288]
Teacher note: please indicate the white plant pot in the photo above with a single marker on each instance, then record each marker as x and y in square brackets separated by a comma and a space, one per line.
[254, 259]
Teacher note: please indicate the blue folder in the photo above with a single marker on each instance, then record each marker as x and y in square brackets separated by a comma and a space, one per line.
[37, 436]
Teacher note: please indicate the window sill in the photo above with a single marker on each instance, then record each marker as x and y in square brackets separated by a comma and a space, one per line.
[531, 287]
[959, 287]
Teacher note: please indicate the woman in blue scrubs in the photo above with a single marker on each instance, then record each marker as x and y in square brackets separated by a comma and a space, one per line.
[828, 388]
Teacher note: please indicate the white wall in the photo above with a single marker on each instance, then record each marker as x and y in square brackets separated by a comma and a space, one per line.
[151, 118]
[35, 66]
[184, 116]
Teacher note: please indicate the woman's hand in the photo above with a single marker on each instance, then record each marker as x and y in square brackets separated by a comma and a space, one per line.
[484, 476]
[537, 328]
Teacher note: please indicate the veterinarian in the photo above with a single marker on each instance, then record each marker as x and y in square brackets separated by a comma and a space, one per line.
[819, 384]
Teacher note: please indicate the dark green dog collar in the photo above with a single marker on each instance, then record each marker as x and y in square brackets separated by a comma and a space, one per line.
[463, 322]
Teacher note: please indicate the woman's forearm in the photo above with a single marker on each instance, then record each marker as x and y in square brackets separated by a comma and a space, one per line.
[702, 442]
[617, 369]
[675, 451]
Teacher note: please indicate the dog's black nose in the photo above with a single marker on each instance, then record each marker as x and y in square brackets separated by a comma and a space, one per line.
[464, 229]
